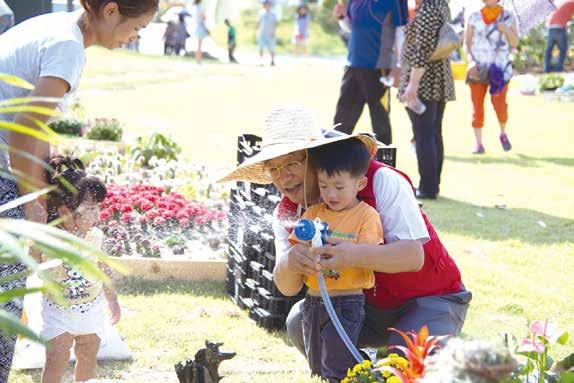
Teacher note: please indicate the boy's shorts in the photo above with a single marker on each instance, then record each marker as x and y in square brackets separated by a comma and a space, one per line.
[266, 42]
[326, 352]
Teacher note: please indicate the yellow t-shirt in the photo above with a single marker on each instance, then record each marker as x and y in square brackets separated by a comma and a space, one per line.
[361, 224]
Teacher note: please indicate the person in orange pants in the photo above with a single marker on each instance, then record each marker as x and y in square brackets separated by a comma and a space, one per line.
[478, 93]
[490, 35]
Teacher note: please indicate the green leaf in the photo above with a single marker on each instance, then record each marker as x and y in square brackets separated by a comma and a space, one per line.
[15, 81]
[49, 240]
[562, 339]
[24, 199]
[11, 325]
[28, 100]
[17, 128]
[13, 277]
[8, 295]
[42, 110]
[15, 247]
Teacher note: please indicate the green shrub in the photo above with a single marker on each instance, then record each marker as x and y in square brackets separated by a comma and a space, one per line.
[105, 129]
[550, 82]
[68, 126]
[157, 145]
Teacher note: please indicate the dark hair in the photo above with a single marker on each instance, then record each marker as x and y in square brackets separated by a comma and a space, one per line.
[127, 8]
[196, 2]
[349, 155]
[73, 185]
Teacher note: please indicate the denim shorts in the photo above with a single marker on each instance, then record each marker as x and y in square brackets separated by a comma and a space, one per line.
[327, 355]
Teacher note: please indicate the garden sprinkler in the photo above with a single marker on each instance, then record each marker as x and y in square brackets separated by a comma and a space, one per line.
[317, 232]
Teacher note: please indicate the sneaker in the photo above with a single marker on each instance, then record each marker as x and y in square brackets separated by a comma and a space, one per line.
[479, 149]
[506, 145]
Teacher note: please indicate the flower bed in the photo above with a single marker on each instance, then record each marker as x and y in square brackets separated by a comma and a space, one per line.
[148, 221]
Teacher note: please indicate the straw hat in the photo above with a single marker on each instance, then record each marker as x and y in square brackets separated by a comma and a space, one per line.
[286, 130]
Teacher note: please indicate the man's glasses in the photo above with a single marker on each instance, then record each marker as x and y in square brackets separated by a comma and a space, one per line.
[275, 172]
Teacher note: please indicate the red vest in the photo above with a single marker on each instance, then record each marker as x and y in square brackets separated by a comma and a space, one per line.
[439, 274]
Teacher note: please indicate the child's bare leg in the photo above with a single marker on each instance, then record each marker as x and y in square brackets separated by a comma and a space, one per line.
[86, 349]
[57, 358]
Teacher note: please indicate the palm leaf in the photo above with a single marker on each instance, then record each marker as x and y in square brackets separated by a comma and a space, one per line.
[28, 100]
[14, 247]
[69, 250]
[15, 81]
[13, 277]
[24, 199]
[11, 325]
[7, 296]
[22, 129]
[23, 179]
[43, 110]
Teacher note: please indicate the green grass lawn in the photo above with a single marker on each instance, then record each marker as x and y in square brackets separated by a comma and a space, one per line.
[517, 262]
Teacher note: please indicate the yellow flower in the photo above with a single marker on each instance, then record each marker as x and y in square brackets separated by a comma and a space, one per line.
[345, 380]
[367, 364]
[393, 379]
[386, 374]
[399, 362]
[357, 368]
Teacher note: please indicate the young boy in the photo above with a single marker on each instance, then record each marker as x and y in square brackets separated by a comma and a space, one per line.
[267, 26]
[231, 41]
[341, 169]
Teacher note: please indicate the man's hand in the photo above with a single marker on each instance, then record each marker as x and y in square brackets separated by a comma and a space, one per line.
[335, 255]
[300, 260]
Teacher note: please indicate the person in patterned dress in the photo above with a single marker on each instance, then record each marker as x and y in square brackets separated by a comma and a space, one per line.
[48, 51]
[431, 83]
[79, 319]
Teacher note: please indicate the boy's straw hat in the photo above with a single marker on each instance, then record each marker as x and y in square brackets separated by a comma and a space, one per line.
[287, 130]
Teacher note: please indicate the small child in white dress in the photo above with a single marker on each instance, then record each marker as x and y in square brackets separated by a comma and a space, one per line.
[80, 321]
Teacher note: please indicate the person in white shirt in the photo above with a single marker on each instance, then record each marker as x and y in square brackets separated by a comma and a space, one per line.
[48, 52]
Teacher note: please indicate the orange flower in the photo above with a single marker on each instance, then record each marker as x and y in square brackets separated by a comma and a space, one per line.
[418, 347]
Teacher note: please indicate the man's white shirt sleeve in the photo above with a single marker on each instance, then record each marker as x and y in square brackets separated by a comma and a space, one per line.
[398, 208]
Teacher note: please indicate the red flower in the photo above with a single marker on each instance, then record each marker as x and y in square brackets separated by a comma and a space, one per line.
[159, 221]
[184, 222]
[126, 209]
[200, 220]
[127, 217]
[105, 215]
[146, 205]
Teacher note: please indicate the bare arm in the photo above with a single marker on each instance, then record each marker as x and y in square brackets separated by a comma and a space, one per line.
[468, 41]
[290, 268]
[397, 257]
[412, 89]
[46, 87]
[511, 33]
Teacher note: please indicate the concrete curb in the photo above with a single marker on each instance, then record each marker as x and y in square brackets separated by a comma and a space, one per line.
[181, 269]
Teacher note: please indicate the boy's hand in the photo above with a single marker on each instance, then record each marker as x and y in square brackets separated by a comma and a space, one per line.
[334, 255]
[115, 311]
[300, 260]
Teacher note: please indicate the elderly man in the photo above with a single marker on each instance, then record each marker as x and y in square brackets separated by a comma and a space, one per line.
[416, 281]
